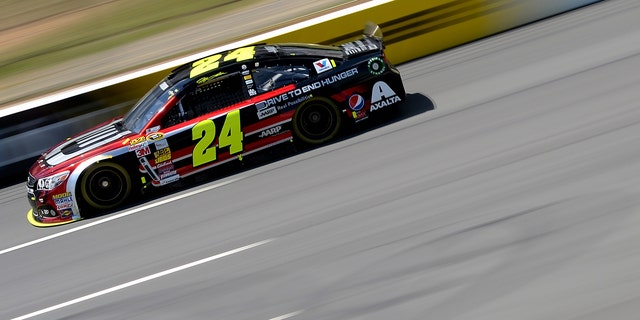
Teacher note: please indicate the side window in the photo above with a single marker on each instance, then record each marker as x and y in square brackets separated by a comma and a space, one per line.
[177, 115]
[270, 78]
[207, 96]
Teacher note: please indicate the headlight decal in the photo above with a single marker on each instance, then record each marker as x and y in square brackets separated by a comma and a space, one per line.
[51, 182]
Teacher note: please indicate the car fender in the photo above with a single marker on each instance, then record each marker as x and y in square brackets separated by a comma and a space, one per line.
[72, 181]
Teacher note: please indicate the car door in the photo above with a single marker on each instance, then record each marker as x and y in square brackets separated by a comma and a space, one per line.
[203, 129]
[275, 98]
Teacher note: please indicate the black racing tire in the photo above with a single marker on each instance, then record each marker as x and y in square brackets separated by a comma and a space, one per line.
[105, 185]
[317, 121]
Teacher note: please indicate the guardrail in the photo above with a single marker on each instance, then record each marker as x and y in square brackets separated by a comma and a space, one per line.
[412, 29]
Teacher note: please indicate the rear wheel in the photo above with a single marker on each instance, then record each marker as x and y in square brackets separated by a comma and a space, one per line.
[317, 121]
[105, 185]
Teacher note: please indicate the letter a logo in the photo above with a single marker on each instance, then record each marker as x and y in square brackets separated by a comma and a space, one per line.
[380, 91]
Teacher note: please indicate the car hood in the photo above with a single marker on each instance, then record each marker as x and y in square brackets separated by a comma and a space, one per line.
[90, 140]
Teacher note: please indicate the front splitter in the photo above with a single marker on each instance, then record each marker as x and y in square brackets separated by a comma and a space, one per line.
[39, 224]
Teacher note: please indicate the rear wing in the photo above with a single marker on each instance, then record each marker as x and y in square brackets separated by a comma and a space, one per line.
[372, 30]
[371, 41]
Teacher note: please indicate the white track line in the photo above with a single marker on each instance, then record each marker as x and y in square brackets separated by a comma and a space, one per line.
[141, 280]
[123, 214]
[288, 315]
[34, 103]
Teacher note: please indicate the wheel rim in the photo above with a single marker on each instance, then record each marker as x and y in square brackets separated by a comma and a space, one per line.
[106, 186]
[318, 121]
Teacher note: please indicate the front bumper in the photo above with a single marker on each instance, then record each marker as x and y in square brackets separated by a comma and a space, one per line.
[34, 220]
[49, 208]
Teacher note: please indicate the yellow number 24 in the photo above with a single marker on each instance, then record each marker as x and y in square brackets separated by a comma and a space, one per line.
[205, 133]
[213, 62]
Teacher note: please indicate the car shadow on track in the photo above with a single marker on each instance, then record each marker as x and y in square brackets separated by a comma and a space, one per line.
[414, 105]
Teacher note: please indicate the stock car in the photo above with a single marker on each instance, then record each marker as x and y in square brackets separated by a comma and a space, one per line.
[212, 111]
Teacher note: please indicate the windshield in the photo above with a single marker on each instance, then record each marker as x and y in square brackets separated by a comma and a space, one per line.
[152, 103]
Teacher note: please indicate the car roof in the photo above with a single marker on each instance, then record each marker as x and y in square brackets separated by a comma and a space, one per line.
[259, 53]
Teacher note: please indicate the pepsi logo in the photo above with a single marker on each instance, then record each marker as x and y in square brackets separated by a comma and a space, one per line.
[356, 102]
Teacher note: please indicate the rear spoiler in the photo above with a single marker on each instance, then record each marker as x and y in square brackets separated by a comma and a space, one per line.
[372, 30]
[371, 41]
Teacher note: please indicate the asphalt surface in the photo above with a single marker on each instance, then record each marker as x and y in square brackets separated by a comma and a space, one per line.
[516, 198]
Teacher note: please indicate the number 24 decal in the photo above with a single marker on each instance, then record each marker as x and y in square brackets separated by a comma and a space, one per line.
[213, 62]
[205, 133]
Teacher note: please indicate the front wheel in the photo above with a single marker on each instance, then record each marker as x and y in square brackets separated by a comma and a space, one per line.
[105, 185]
[317, 121]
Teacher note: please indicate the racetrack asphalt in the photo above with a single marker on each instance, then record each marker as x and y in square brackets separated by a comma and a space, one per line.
[516, 198]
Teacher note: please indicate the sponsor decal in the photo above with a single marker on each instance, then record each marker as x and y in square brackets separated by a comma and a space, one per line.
[63, 200]
[168, 174]
[143, 152]
[170, 179]
[281, 102]
[164, 164]
[162, 155]
[137, 147]
[376, 66]
[66, 213]
[261, 105]
[358, 46]
[382, 95]
[353, 50]
[248, 81]
[61, 195]
[356, 102]
[153, 129]
[270, 131]
[155, 136]
[294, 102]
[137, 143]
[337, 77]
[252, 92]
[166, 168]
[305, 90]
[322, 65]
[161, 144]
[266, 113]
[384, 103]
[137, 140]
[272, 101]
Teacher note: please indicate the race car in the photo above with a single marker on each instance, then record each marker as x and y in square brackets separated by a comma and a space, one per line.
[212, 111]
